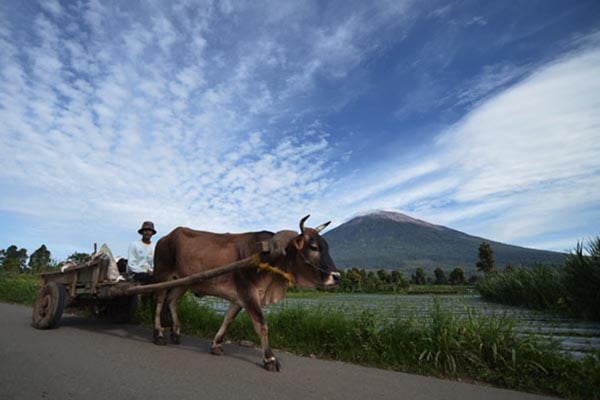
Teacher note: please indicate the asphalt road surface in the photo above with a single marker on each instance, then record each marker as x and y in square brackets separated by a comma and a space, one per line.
[89, 359]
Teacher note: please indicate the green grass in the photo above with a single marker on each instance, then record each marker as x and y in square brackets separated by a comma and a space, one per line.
[441, 344]
[571, 288]
[539, 287]
[18, 288]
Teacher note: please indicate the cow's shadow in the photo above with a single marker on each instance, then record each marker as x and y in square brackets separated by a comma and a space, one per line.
[143, 334]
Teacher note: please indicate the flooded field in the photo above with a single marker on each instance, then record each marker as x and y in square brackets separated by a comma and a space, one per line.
[574, 336]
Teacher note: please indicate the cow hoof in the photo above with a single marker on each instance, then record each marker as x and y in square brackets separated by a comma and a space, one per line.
[158, 339]
[272, 365]
[217, 350]
[175, 338]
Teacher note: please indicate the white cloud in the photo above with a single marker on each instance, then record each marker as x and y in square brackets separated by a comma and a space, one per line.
[488, 81]
[523, 165]
[52, 6]
[97, 132]
[188, 115]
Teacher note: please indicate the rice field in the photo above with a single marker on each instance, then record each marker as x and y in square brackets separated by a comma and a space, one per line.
[574, 336]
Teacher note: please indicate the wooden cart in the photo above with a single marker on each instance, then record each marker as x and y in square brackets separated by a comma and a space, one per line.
[87, 285]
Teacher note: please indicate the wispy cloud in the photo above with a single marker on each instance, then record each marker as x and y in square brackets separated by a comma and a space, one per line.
[219, 116]
[114, 119]
[522, 165]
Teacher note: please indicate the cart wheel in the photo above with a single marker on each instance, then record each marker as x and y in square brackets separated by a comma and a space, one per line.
[122, 310]
[49, 306]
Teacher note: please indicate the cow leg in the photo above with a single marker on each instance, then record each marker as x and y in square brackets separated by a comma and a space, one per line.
[232, 312]
[158, 329]
[172, 300]
[260, 327]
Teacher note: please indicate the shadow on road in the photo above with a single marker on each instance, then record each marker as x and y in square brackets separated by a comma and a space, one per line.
[141, 334]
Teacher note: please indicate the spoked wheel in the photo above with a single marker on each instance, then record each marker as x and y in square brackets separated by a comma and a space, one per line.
[49, 306]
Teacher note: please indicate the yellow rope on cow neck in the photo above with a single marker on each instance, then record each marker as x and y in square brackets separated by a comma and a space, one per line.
[269, 268]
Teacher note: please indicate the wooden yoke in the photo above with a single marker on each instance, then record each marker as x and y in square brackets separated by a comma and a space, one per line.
[249, 262]
[254, 261]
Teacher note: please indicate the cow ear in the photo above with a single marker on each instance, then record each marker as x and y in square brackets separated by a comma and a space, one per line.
[299, 242]
[280, 241]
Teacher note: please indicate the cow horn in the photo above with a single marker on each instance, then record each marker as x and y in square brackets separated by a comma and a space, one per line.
[302, 223]
[322, 226]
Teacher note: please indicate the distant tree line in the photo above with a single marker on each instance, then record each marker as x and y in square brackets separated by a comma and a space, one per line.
[13, 259]
[16, 260]
[360, 280]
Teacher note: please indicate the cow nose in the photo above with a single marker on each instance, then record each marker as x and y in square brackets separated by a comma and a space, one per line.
[336, 276]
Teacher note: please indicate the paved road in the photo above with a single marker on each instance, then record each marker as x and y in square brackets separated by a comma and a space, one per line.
[88, 359]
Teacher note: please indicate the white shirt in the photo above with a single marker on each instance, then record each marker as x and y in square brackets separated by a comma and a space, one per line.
[140, 257]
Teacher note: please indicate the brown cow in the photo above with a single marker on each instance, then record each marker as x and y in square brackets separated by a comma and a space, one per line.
[184, 251]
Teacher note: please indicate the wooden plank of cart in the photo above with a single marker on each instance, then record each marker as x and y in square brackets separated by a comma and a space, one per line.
[87, 285]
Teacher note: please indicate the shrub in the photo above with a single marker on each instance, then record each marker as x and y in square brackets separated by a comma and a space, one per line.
[582, 280]
[539, 287]
[571, 288]
[18, 288]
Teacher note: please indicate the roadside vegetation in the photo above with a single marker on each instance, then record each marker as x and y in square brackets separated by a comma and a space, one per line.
[572, 288]
[18, 288]
[442, 343]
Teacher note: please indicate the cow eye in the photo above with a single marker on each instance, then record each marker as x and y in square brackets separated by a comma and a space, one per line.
[313, 246]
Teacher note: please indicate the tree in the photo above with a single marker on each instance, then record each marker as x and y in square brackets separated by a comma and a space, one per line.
[14, 259]
[40, 259]
[79, 258]
[457, 276]
[383, 280]
[355, 280]
[419, 277]
[397, 280]
[383, 276]
[370, 284]
[486, 258]
[440, 276]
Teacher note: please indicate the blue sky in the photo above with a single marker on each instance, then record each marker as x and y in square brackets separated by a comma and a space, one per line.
[234, 116]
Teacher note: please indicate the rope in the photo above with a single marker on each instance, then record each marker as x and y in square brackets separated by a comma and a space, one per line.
[269, 268]
[309, 263]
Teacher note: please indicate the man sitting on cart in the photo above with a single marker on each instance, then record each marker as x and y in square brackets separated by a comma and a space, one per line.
[140, 260]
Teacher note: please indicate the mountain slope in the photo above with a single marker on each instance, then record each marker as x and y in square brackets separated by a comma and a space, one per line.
[393, 240]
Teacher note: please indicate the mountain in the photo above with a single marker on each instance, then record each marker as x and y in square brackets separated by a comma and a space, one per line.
[396, 241]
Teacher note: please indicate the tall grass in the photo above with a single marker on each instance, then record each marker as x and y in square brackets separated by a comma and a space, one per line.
[581, 280]
[539, 287]
[18, 287]
[442, 343]
[573, 288]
